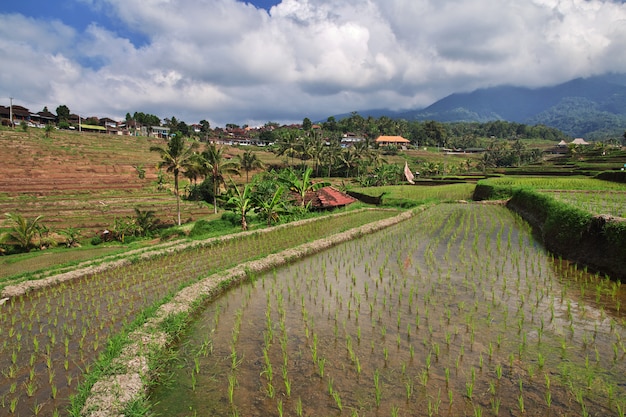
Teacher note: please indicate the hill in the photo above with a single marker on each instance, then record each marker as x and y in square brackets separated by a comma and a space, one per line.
[593, 108]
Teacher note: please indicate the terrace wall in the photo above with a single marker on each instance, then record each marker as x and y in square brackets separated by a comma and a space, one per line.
[596, 241]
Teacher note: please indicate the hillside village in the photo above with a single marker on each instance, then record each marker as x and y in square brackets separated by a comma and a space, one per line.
[105, 125]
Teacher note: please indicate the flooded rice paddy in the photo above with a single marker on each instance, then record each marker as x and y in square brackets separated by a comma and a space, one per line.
[456, 312]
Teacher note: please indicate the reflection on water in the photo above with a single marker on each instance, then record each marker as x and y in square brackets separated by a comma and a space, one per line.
[455, 312]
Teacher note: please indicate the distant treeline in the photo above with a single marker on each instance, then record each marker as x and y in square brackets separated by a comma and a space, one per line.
[431, 133]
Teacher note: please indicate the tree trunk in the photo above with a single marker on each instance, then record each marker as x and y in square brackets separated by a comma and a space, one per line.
[177, 196]
[214, 196]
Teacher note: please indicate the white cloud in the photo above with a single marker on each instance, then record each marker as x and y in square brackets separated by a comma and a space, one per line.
[227, 61]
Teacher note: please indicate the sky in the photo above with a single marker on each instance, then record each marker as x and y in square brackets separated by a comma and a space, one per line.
[230, 61]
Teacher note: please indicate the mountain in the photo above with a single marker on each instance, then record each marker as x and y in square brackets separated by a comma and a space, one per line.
[593, 108]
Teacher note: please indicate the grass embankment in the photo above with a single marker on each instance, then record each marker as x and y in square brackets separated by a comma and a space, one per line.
[407, 196]
[584, 235]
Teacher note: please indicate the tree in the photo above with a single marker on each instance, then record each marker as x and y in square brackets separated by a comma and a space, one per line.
[249, 161]
[175, 158]
[306, 124]
[63, 113]
[349, 159]
[22, 230]
[267, 136]
[216, 166]
[71, 236]
[330, 154]
[317, 149]
[47, 130]
[271, 207]
[241, 203]
[205, 128]
[288, 144]
[301, 184]
[331, 124]
[145, 221]
[436, 132]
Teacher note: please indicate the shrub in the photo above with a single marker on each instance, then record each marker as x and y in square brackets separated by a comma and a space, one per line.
[485, 191]
[231, 217]
[204, 228]
[171, 232]
[96, 240]
[615, 176]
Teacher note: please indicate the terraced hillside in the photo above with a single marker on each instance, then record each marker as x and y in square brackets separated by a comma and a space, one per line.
[82, 180]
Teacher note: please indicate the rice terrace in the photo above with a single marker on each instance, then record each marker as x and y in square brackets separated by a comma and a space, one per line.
[477, 291]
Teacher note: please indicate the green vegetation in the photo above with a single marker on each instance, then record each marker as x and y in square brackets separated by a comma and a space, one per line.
[458, 303]
[81, 314]
[563, 209]
[567, 212]
[175, 158]
[410, 196]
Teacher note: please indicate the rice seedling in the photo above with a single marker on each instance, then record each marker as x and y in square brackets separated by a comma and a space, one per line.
[501, 302]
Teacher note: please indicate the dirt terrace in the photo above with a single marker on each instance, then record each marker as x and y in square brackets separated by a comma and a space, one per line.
[83, 180]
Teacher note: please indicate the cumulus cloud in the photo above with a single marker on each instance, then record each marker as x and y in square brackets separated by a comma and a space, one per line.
[227, 61]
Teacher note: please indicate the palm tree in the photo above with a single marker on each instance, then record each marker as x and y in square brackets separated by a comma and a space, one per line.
[350, 160]
[288, 144]
[331, 153]
[175, 158]
[217, 166]
[317, 150]
[145, 221]
[249, 161]
[23, 230]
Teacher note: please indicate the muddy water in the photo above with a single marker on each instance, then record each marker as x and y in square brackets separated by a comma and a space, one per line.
[455, 312]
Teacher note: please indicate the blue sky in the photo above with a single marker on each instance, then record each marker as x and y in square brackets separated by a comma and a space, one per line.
[229, 61]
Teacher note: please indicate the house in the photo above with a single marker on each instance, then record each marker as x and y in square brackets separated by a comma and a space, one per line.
[392, 140]
[579, 141]
[75, 119]
[108, 123]
[20, 114]
[562, 148]
[326, 198]
[349, 139]
[44, 117]
[160, 132]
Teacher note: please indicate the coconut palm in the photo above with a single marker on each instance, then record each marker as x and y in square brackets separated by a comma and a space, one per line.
[175, 158]
[349, 159]
[22, 230]
[317, 150]
[217, 166]
[288, 144]
[330, 154]
[249, 161]
[145, 221]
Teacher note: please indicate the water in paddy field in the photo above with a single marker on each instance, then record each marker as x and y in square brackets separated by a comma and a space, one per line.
[455, 312]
